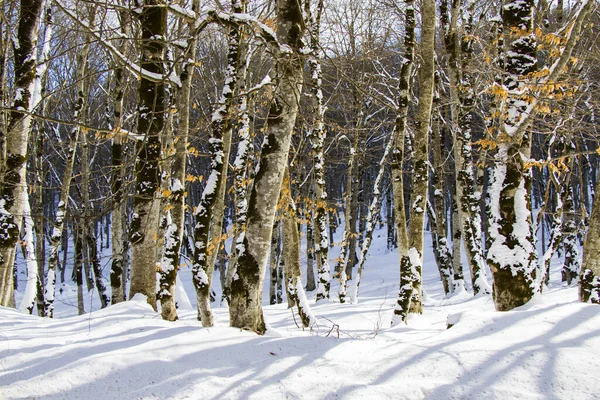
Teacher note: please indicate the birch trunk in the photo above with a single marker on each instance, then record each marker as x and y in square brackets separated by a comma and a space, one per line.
[246, 292]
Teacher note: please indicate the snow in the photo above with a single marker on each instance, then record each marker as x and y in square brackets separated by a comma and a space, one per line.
[547, 349]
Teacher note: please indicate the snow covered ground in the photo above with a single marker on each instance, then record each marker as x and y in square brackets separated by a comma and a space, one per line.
[548, 349]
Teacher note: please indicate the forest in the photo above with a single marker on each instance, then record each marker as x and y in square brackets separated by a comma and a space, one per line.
[301, 199]
[143, 137]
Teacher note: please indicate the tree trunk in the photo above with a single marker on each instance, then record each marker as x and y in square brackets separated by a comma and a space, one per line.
[78, 266]
[241, 168]
[317, 136]
[274, 262]
[310, 251]
[146, 210]
[438, 216]
[14, 162]
[209, 213]
[176, 215]
[340, 271]
[402, 304]
[28, 301]
[421, 161]
[572, 264]
[62, 208]
[291, 256]
[371, 219]
[589, 281]
[461, 103]
[246, 292]
[117, 229]
[510, 231]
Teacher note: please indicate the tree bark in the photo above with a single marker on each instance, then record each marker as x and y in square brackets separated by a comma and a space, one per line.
[589, 281]
[291, 256]
[14, 162]
[421, 158]
[461, 103]
[146, 209]
[371, 219]
[246, 292]
[176, 214]
[402, 304]
[209, 213]
[117, 226]
[317, 136]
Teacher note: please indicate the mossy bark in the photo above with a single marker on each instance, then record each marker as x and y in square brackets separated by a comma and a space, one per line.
[246, 292]
[14, 154]
[146, 204]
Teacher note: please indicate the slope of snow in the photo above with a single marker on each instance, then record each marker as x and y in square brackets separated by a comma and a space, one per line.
[547, 349]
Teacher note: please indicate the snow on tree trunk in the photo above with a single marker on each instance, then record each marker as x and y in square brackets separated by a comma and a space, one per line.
[246, 291]
[438, 213]
[371, 222]
[117, 226]
[176, 215]
[35, 250]
[89, 234]
[291, 255]
[146, 210]
[589, 280]
[62, 208]
[317, 136]
[461, 103]
[572, 265]
[207, 214]
[340, 267]
[78, 266]
[421, 162]
[40, 223]
[240, 170]
[459, 276]
[512, 256]
[402, 304]
[13, 166]
[274, 262]
[556, 230]
[28, 301]
[310, 252]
